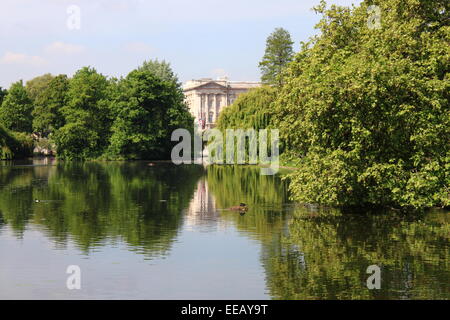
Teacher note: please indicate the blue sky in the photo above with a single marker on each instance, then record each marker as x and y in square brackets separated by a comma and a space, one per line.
[200, 38]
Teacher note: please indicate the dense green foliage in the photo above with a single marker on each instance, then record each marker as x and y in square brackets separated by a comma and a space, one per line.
[37, 85]
[148, 109]
[365, 111]
[279, 52]
[90, 116]
[250, 110]
[87, 117]
[16, 108]
[160, 69]
[48, 103]
[14, 144]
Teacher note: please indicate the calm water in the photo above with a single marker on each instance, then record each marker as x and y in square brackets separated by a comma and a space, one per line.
[163, 232]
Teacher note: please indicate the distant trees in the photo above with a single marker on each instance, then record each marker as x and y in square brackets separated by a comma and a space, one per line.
[38, 84]
[90, 116]
[278, 54]
[160, 69]
[16, 108]
[129, 118]
[47, 114]
[149, 106]
[87, 116]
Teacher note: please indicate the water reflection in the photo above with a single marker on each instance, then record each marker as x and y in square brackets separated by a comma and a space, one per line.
[202, 213]
[92, 203]
[181, 213]
[325, 256]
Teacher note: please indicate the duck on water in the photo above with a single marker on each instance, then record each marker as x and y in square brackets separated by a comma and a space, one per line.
[242, 207]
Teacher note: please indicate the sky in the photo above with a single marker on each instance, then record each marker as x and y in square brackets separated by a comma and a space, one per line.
[200, 38]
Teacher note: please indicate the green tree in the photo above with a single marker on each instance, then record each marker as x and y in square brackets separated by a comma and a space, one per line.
[160, 69]
[47, 115]
[148, 109]
[250, 110]
[278, 54]
[3, 93]
[15, 110]
[37, 85]
[365, 111]
[87, 116]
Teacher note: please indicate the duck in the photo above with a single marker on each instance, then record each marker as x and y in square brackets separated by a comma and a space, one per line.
[241, 207]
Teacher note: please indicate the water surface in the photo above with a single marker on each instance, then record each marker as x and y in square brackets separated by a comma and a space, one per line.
[164, 232]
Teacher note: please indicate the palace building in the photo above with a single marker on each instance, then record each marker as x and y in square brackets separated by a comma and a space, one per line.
[206, 98]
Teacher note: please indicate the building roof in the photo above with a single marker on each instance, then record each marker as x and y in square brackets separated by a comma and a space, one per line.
[194, 84]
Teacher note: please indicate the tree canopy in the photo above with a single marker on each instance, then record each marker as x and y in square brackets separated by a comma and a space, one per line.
[16, 108]
[87, 116]
[365, 110]
[47, 115]
[148, 108]
[278, 54]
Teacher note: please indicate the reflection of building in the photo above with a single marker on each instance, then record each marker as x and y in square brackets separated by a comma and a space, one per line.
[202, 209]
[206, 98]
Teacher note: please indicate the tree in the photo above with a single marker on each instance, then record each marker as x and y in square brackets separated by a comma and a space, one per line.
[365, 111]
[15, 111]
[250, 110]
[148, 109]
[37, 85]
[47, 115]
[87, 116]
[160, 69]
[278, 54]
[3, 93]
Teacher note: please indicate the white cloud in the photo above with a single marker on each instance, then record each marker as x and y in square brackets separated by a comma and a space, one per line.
[22, 59]
[59, 47]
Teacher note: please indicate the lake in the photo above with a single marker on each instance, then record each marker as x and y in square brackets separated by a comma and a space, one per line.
[164, 232]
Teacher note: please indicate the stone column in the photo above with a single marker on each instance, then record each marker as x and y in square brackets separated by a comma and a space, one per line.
[204, 105]
[198, 106]
[213, 108]
[225, 102]
[207, 108]
[217, 107]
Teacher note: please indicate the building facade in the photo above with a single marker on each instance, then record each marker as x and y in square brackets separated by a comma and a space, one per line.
[206, 98]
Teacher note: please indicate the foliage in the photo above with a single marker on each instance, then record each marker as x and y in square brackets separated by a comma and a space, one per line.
[365, 111]
[250, 110]
[148, 109]
[15, 110]
[3, 93]
[37, 85]
[47, 115]
[14, 144]
[87, 117]
[160, 69]
[278, 54]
